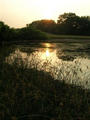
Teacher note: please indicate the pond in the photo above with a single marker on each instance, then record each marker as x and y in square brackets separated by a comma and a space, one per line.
[63, 61]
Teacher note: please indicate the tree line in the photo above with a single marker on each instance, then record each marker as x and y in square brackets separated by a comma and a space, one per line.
[67, 24]
[25, 33]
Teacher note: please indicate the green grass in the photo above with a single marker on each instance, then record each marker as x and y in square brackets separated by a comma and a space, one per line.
[28, 94]
[53, 36]
[61, 38]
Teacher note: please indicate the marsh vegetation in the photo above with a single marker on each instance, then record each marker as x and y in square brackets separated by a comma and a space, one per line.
[45, 82]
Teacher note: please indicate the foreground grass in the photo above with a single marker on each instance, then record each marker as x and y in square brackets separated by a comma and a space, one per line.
[28, 94]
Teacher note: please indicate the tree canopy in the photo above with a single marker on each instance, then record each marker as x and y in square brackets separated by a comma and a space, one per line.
[44, 25]
[26, 33]
[70, 23]
[67, 23]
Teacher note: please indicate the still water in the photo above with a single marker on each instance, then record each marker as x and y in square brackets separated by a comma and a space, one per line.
[69, 62]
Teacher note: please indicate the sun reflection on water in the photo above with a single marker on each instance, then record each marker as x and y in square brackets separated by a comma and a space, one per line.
[47, 53]
[46, 59]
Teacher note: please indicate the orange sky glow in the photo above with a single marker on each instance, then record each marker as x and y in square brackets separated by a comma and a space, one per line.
[18, 13]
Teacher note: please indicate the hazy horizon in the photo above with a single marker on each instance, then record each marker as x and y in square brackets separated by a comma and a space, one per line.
[18, 13]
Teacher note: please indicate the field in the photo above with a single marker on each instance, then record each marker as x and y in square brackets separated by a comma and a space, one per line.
[53, 36]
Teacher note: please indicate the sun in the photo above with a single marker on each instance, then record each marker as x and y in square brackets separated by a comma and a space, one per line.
[48, 14]
[47, 8]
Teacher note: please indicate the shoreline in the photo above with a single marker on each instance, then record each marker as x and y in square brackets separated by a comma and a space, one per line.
[47, 41]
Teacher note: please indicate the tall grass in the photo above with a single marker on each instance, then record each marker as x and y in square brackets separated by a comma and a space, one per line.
[29, 94]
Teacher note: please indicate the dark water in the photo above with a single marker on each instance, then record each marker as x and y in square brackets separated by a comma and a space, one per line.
[69, 62]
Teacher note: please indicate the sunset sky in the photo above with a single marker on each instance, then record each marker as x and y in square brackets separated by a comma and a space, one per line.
[17, 13]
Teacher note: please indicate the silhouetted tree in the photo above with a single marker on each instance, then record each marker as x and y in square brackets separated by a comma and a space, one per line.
[4, 30]
[85, 25]
[44, 25]
[6, 33]
[70, 23]
[28, 33]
